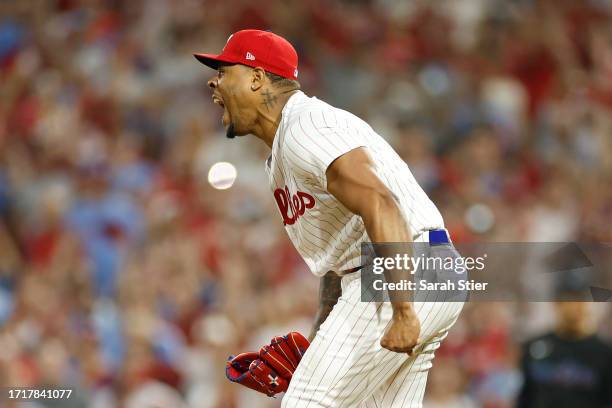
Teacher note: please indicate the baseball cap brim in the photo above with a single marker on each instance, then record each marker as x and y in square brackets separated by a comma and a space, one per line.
[213, 61]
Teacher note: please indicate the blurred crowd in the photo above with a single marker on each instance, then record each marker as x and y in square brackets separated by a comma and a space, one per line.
[126, 276]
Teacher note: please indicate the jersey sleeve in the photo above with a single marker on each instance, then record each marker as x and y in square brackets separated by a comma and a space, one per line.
[316, 140]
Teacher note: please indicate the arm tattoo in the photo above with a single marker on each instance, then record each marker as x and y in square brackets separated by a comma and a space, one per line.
[330, 289]
[269, 99]
[329, 292]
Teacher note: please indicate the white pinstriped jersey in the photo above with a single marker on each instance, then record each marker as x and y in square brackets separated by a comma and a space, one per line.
[310, 136]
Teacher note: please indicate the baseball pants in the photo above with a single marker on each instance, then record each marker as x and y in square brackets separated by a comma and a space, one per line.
[345, 366]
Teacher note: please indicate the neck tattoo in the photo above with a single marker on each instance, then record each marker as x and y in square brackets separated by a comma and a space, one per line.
[269, 99]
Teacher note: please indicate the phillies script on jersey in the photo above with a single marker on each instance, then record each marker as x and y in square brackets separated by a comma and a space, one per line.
[293, 206]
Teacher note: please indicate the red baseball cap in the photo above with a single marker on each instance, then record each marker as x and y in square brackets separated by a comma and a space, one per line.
[256, 48]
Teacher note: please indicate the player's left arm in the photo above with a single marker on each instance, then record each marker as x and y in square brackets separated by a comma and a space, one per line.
[352, 179]
[330, 289]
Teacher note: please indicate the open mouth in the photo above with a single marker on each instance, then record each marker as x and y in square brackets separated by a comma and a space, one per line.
[225, 120]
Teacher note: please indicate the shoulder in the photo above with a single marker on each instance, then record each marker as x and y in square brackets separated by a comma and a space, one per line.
[312, 113]
[323, 123]
[317, 118]
[318, 133]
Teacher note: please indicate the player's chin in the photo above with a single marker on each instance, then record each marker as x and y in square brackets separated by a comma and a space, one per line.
[229, 132]
[233, 131]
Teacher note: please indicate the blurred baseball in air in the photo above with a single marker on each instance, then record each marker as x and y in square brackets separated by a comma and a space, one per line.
[222, 175]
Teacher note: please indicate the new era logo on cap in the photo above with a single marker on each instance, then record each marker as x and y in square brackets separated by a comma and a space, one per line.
[274, 53]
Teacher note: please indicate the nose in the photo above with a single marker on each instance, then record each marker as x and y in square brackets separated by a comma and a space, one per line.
[212, 83]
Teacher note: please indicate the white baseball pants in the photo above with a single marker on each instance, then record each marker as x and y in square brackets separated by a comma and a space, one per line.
[345, 365]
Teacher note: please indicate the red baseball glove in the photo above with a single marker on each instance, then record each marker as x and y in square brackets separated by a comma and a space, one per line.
[270, 370]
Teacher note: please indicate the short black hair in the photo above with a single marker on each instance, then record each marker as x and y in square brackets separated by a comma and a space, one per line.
[282, 82]
[276, 80]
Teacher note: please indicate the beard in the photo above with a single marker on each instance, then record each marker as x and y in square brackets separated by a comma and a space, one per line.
[230, 131]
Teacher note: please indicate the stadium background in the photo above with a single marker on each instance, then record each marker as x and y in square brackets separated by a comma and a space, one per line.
[125, 275]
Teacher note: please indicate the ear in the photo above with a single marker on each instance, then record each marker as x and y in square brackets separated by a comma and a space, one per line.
[258, 78]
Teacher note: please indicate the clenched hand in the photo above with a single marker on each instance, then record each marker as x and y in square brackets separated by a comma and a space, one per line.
[402, 335]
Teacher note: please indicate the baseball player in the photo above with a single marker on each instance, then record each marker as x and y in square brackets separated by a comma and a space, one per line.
[337, 184]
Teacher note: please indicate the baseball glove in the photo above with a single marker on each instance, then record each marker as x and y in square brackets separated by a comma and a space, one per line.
[270, 370]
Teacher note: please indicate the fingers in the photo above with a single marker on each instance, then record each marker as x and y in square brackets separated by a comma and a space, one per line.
[407, 350]
[400, 346]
